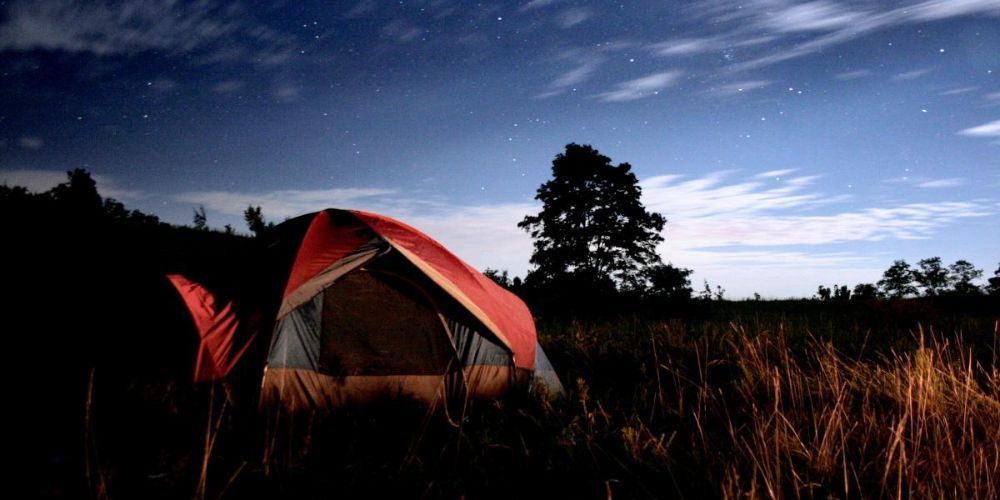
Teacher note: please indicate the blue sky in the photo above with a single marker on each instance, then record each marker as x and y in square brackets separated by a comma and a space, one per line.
[789, 144]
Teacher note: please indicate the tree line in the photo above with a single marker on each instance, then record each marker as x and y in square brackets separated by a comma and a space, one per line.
[930, 278]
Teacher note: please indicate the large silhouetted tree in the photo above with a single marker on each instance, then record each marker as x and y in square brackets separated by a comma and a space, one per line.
[593, 227]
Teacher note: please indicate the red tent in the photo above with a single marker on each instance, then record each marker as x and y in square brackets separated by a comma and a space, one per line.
[374, 308]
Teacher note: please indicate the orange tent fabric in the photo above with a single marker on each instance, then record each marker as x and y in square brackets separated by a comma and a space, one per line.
[216, 324]
[334, 234]
[511, 320]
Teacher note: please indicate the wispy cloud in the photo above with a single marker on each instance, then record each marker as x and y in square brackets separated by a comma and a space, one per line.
[737, 88]
[942, 183]
[832, 23]
[957, 91]
[692, 46]
[572, 17]
[228, 86]
[928, 182]
[283, 203]
[752, 235]
[535, 4]
[910, 75]
[36, 181]
[30, 142]
[401, 31]
[39, 181]
[105, 28]
[811, 16]
[286, 92]
[771, 174]
[577, 75]
[991, 129]
[707, 212]
[639, 88]
[360, 9]
[687, 46]
[933, 10]
[583, 64]
[209, 30]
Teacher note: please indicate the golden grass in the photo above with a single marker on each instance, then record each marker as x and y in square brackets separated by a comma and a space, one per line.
[654, 409]
[814, 422]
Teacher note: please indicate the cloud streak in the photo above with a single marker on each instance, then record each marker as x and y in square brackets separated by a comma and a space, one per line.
[283, 203]
[401, 31]
[535, 4]
[211, 31]
[640, 88]
[910, 75]
[687, 46]
[572, 17]
[707, 212]
[822, 23]
[942, 183]
[30, 142]
[737, 88]
[991, 129]
[39, 181]
[811, 16]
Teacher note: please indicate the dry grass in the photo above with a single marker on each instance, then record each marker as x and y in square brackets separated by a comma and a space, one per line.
[812, 422]
[655, 409]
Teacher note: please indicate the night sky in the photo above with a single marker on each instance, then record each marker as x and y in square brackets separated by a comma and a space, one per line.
[789, 144]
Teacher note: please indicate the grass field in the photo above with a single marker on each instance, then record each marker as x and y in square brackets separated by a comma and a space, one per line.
[732, 400]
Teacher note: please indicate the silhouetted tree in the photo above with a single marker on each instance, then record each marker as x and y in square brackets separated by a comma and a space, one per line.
[200, 219]
[823, 293]
[78, 196]
[593, 227]
[994, 283]
[897, 281]
[255, 219]
[931, 276]
[668, 282]
[961, 274]
[706, 292]
[501, 278]
[865, 291]
[841, 293]
[116, 212]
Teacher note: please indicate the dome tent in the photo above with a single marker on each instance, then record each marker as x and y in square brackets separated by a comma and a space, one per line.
[373, 308]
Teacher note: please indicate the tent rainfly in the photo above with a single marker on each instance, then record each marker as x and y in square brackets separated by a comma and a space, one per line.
[373, 308]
